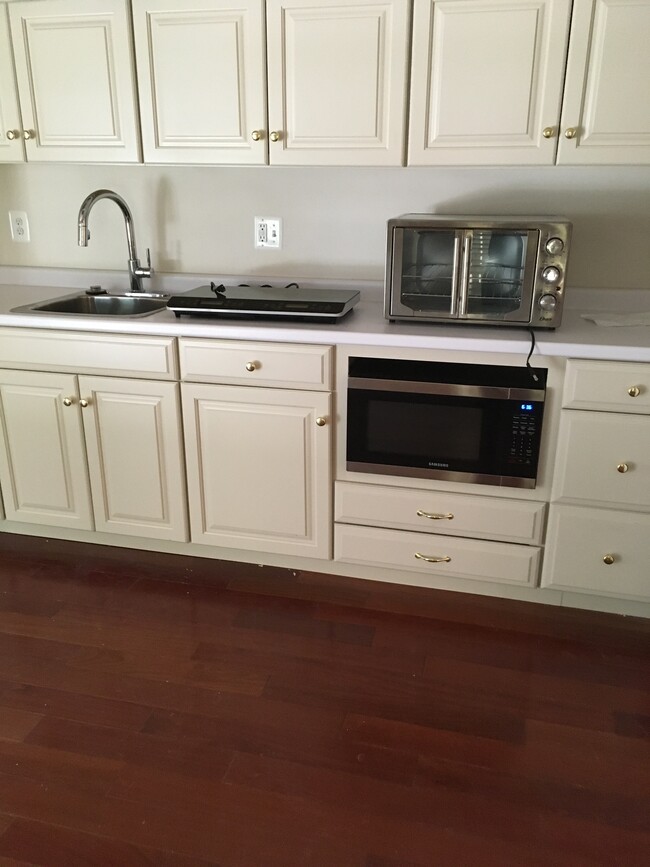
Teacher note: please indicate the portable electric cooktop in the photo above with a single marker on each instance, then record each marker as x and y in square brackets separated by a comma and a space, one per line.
[265, 302]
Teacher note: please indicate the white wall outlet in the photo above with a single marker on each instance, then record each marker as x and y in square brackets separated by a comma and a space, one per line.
[19, 226]
[268, 232]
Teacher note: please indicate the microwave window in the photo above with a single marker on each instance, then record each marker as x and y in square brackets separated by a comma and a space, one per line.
[445, 434]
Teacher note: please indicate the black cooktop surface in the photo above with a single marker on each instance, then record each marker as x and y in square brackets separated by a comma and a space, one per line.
[291, 302]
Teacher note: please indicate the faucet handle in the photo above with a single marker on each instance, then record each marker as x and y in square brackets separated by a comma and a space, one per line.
[149, 268]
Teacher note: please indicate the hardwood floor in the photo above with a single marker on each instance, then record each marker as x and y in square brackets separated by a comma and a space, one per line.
[181, 712]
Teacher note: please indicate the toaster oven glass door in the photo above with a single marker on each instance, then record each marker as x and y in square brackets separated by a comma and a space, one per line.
[499, 273]
[426, 265]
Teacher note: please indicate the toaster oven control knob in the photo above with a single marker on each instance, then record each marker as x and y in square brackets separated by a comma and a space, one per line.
[548, 302]
[551, 275]
[554, 246]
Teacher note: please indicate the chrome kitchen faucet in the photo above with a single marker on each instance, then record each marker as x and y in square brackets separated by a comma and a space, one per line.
[136, 271]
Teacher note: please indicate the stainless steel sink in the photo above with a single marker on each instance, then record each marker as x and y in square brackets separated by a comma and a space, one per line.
[98, 305]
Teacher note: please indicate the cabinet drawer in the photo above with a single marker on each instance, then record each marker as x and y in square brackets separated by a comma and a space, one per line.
[88, 352]
[579, 540]
[468, 558]
[438, 512]
[604, 459]
[278, 365]
[605, 385]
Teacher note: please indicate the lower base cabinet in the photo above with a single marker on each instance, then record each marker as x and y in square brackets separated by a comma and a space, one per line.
[259, 468]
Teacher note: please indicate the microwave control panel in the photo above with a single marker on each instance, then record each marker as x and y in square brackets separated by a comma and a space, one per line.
[524, 435]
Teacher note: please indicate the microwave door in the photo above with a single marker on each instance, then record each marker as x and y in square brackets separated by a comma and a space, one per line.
[424, 276]
[498, 274]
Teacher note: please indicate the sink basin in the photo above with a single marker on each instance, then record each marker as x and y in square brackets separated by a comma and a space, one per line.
[98, 305]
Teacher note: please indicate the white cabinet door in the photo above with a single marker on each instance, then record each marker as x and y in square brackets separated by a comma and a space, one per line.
[606, 112]
[42, 457]
[337, 81]
[75, 77]
[202, 80]
[259, 468]
[486, 81]
[11, 127]
[133, 438]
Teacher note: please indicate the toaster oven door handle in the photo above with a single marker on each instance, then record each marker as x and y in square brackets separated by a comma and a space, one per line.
[464, 273]
[455, 279]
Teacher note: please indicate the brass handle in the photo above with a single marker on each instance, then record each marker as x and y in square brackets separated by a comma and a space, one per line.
[257, 134]
[634, 391]
[13, 134]
[275, 136]
[434, 517]
[622, 468]
[251, 366]
[67, 401]
[548, 132]
[571, 132]
[29, 133]
[83, 402]
[608, 559]
[419, 556]
[320, 421]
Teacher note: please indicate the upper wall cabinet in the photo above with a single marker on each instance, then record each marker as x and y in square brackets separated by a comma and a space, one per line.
[75, 79]
[488, 82]
[606, 110]
[202, 80]
[11, 127]
[337, 81]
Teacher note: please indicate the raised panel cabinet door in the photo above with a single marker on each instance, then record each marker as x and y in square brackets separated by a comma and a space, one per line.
[337, 81]
[606, 110]
[202, 80]
[11, 125]
[43, 471]
[133, 438]
[259, 468]
[76, 82]
[486, 81]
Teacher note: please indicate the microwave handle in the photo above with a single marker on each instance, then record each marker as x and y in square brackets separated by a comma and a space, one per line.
[464, 273]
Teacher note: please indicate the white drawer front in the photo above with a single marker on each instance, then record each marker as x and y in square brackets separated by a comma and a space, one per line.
[582, 542]
[604, 385]
[278, 365]
[468, 558]
[88, 352]
[603, 459]
[439, 512]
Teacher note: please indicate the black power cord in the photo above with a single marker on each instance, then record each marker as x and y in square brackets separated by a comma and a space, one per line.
[530, 352]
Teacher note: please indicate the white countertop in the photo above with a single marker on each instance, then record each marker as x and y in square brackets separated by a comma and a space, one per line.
[576, 338]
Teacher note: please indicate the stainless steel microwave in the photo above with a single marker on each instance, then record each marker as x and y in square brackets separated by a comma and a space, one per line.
[477, 270]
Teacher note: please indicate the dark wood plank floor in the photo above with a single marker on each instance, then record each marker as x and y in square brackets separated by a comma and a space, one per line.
[159, 710]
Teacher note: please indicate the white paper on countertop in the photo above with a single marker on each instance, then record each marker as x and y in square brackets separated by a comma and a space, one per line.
[618, 318]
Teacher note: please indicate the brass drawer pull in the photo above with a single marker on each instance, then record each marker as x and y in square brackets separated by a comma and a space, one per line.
[623, 468]
[608, 559]
[321, 421]
[251, 366]
[634, 391]
[83, 402]
[434, 516]
[426, 559]
[68, 401]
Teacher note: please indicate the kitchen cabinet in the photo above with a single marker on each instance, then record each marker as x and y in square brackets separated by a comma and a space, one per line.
[12, 149]
[258, 455]
[336, 86]
[90, 452]
[489, 83]
[599, 521]
[75, 76]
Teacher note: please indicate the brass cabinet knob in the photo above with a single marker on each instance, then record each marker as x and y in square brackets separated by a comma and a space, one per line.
[434, 516]
[251, 366]
[83, 402]
[608, 559]
[571, 132]
[67, 401]
[443, 559]
[275, 136]
[623, 468]
[634, 391]
[13, 134]
[257, 134]
[320, 421]
[548, 132]
[29, 133]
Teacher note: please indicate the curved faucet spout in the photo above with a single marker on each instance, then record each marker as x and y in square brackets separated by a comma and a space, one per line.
[136, 271]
